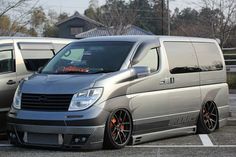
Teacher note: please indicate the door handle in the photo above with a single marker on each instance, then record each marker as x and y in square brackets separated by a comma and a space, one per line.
[164, 81]
[172, 80]
[168, 80]
[11, 82]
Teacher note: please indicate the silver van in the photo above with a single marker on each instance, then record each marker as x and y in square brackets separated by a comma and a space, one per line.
[20, 57]
[114, 91]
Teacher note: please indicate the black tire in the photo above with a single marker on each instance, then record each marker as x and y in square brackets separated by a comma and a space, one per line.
[118, 129]
[208, 118]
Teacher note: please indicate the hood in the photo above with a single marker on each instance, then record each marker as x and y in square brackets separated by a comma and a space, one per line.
[58, 84]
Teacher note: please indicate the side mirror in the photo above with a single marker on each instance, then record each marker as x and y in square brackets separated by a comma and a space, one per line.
[142, 71]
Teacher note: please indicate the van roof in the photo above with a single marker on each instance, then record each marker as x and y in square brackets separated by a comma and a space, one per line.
[140, 38]
[131, 38]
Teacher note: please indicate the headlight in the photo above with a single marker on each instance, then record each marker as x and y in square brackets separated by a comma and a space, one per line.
[85, 99]
[17, 99]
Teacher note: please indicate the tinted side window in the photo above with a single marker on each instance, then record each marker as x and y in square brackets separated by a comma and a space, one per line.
[34, 59]
[181, 57]
[208, 56]
[7, 61]
[150, 60]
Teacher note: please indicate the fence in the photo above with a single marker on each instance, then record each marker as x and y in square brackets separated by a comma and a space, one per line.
[230, 59]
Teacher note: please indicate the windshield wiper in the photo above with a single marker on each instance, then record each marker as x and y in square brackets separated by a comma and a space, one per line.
[79, 72]
[71, 72]
[102, 71]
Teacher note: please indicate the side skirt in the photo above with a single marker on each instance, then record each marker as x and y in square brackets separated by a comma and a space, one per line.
[137, 139]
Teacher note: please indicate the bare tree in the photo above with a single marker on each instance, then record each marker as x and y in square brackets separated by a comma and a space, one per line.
[223, 27]
[19, 12]
[7, 5]
[93, 4]
[116, 15]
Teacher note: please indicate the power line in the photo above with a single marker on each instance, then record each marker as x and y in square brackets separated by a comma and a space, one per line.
[168, 16]
[162, 15]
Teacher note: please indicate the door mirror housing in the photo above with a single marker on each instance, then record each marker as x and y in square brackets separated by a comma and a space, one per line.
[142, 71]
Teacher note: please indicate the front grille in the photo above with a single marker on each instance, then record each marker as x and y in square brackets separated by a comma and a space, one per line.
[46, 102]
[43, 139]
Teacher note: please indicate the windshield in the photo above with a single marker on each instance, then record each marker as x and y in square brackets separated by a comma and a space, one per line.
[89, 57]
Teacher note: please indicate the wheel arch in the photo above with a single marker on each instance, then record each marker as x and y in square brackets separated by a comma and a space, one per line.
[114, 110]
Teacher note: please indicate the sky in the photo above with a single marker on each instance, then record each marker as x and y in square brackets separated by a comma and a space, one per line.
[70, 6]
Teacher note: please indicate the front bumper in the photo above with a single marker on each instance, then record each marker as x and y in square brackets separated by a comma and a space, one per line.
[89, 137]
[82, 129]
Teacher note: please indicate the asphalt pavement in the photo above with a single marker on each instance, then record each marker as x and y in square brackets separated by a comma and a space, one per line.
[221, 143]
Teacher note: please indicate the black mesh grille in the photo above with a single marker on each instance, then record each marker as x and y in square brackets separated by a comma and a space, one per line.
[46, 102]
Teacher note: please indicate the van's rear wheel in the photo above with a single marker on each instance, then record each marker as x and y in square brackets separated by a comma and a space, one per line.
[118, 129]
[208, 118]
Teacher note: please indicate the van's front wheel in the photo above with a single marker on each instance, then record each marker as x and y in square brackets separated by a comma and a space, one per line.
[118, 129]
[208, 118]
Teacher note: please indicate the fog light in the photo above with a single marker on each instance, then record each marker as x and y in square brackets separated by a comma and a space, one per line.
[79, 139]
[12, 135]
[84, 139]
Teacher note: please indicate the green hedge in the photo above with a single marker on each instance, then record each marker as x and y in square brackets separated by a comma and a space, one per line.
[231, 79]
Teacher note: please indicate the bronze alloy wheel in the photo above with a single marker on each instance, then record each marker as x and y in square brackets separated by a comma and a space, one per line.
[210, 115]
[208, 118]
[118, 129]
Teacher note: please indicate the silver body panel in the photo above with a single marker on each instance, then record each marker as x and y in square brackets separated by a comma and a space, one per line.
[137, 139]
[168, 106]
[159, 107]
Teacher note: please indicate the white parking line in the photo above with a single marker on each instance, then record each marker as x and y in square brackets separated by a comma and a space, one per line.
[206, 141]
[181, 146]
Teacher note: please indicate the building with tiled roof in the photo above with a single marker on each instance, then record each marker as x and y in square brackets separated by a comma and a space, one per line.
[76, 24]
[104, 31]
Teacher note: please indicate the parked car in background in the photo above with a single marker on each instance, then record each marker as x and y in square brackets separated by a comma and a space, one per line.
[19, 58]
[111, 91]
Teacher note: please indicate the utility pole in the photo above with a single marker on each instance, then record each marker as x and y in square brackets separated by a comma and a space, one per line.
[162, 15]
[168, 16]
